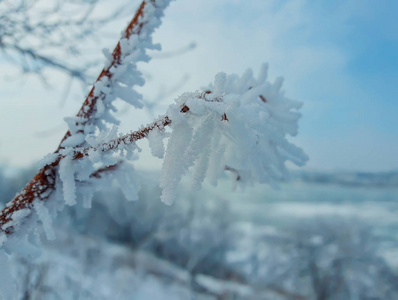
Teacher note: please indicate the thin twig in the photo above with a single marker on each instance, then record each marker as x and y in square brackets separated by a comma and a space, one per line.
[125, 139]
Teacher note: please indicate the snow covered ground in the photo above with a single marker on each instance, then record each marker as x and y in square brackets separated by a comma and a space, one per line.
[256, 243]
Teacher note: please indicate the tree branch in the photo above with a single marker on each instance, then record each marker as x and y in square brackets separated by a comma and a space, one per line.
[43, 184]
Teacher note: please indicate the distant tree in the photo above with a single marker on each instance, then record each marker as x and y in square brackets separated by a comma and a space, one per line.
[36, 35]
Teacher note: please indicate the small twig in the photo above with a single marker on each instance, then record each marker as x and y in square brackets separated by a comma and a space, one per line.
[125, 139]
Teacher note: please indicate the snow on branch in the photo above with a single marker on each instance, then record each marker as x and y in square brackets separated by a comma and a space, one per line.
[116, 80]
[119, 75]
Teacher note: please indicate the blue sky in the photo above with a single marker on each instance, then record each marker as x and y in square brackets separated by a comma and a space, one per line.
[366, 113]
[338, 57]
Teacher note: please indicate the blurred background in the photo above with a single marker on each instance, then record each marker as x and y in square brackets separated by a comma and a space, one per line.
[329, 233]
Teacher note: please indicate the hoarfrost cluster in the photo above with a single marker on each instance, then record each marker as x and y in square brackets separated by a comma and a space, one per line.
[238, 124]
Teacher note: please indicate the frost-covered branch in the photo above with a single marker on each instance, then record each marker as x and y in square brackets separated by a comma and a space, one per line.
[115, 81]
[124, 140]
[43, 184]
[118, 77]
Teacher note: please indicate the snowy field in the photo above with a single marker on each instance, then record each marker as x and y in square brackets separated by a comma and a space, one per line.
[257, 243]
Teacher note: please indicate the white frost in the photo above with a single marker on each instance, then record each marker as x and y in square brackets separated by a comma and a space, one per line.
[240, 124]
[67, 175]
[155, 140]
[45, 218]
